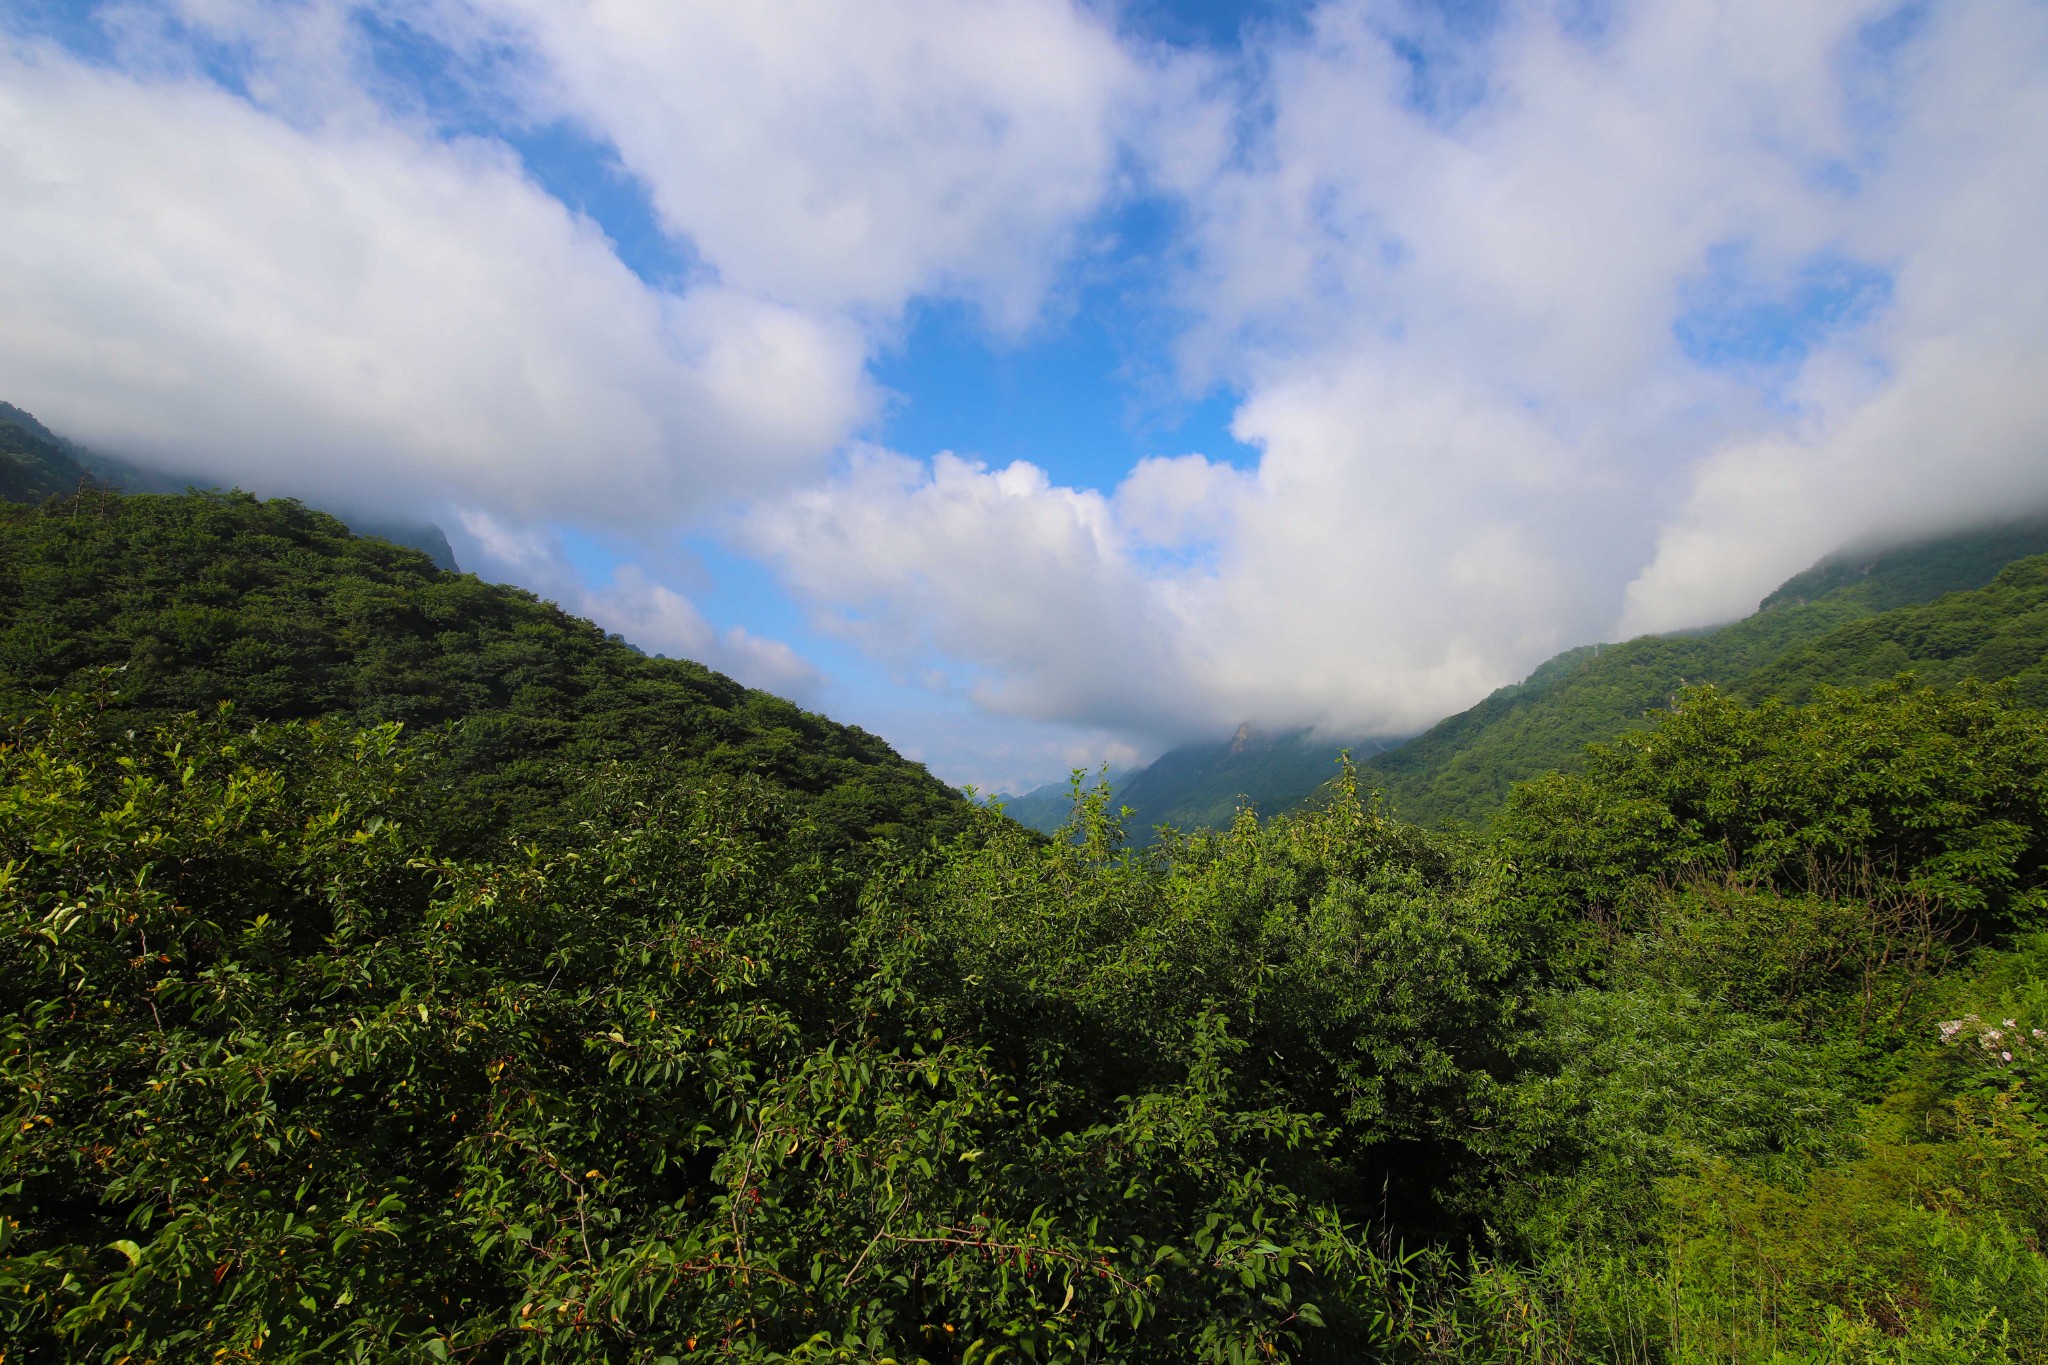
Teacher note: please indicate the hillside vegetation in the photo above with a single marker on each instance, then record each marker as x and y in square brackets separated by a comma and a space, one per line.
[34, 463]
[1462, 768]
[470, 987]
[174, 604]
[1713, 1052]
[1999, 632]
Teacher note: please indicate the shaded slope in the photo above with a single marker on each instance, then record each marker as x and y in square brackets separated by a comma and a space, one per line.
[203, 598]
[35, 463]
[1201, 786]
[1045, 808]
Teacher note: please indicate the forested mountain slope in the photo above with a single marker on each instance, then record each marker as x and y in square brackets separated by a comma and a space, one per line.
[1463, 767]
[1046, 808]
[34, 462]
[1201, 786]
[202, 598]
[1919, 571]
[2000, 631]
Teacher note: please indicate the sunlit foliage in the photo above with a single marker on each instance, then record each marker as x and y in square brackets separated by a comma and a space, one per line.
[326, 1034]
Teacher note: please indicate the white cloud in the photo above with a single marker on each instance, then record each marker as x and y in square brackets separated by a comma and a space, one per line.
[1179, 502]
[1407, 548]
[1959, 436]
[1940, 417]
[1453, 315]
[966, 745]
[355, 310]
[1030, 583]
[849, 157]
[1325, 592]
[663, 621]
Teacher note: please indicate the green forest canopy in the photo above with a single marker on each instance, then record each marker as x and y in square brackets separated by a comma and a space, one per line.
[1704, 1055]
[205, 598]
[475, 988]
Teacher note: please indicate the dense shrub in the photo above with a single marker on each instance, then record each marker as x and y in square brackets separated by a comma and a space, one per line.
[1725, 1048]
[285, 1084]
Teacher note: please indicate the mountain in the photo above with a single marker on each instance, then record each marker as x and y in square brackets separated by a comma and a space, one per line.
[165, 604]
[1998, 632]
[1462, 768]
[1907, 575]
[1045, 808]
[1201, 786]
[36, 463]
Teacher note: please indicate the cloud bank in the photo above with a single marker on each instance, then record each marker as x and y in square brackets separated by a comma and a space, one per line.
[351, 309]
[1552, 333]
[1936, 412]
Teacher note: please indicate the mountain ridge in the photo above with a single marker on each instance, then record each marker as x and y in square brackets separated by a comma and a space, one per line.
[1461, 769]
[37, 463]
[161, 604]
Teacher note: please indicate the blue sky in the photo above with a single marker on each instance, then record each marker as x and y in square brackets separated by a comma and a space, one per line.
[1049, 383]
